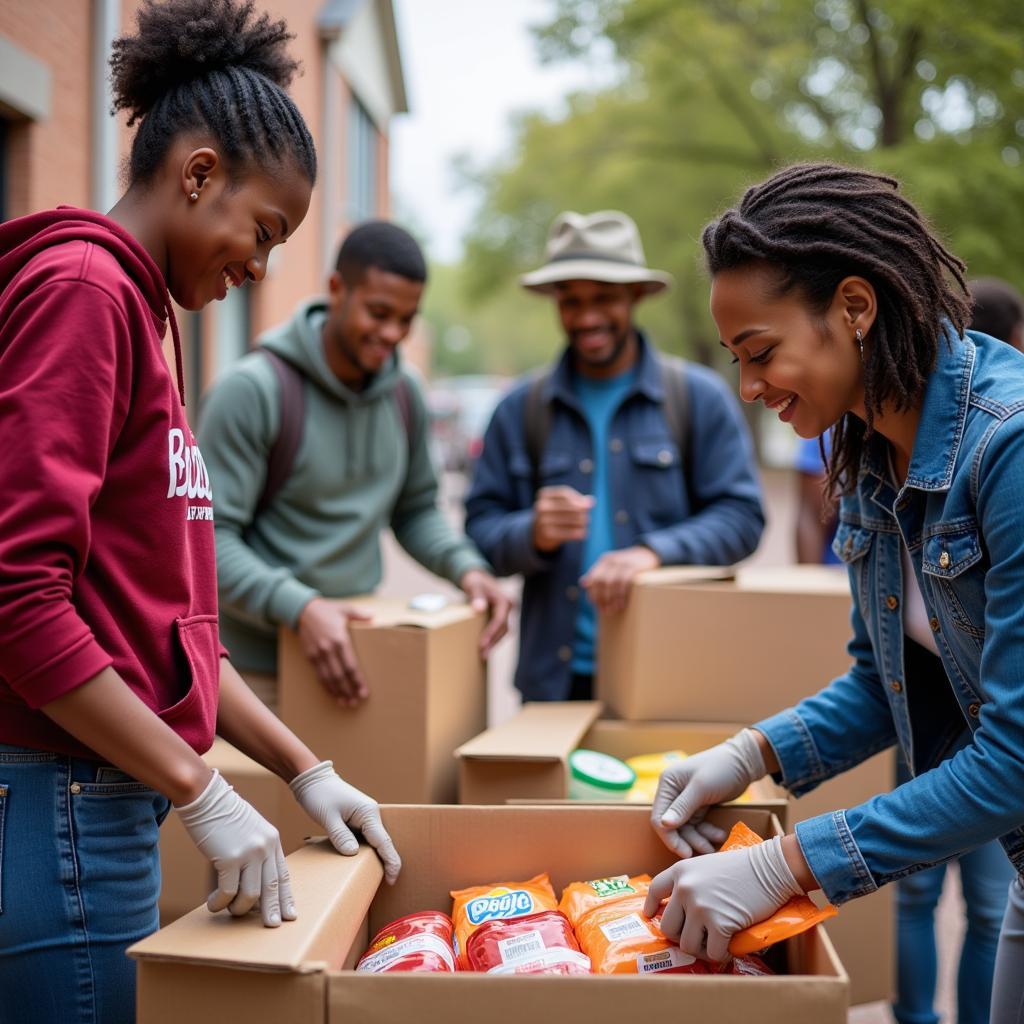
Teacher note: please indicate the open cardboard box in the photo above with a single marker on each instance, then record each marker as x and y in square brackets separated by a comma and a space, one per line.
[713, 648]
[428, 694]
[208, 969]
[526, 758]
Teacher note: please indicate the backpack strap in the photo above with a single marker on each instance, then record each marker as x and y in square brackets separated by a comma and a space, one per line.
[403, 401]
[292, 414]
[677, 411]
[536, 423]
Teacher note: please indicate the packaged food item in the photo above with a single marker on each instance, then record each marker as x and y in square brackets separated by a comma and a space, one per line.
[541, 943]
[750, 965]
[597, 776]
[416, 942]
[607, 917]
[648, 768]
[474, 906]
[798, 915]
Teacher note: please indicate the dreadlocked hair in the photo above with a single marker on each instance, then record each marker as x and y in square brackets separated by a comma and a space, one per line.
[209, 66]
[815, 224]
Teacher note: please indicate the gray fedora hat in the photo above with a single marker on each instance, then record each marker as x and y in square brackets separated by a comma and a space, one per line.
[602, 246]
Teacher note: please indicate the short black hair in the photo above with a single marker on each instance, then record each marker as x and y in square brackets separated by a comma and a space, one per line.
[210, 66]
[813, 225]
[380, 244]
[998, 307]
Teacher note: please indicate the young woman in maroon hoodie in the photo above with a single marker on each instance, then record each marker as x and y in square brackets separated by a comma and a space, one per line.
[112, 678]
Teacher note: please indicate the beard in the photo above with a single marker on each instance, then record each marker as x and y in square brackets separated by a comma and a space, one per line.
[600, 362]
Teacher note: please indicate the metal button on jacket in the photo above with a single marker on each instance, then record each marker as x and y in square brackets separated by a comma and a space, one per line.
[944, 560]
[572, 592]
[622, 516]
[76, 788]
[616, 444]
[564, 652]
[934, 623]
[974, 710]
[586, 465]
[892, 602]
[664, 456]
[896, 686]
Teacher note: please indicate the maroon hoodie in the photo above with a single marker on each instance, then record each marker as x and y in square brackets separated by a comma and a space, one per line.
[106, 520]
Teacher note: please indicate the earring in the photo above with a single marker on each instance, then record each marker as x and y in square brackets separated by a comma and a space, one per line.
[859, 335]
[193, 196]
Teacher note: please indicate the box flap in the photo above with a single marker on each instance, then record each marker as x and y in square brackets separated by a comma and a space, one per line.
[673, 575]
[802, 579]
[395, 611]
[539, 732]
[332, 894]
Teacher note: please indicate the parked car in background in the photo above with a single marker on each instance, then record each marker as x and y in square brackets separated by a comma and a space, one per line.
[460, 410]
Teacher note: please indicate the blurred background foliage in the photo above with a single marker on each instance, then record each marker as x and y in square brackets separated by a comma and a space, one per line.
[712, 95]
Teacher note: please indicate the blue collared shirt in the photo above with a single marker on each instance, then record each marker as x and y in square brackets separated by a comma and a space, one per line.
[960, 515]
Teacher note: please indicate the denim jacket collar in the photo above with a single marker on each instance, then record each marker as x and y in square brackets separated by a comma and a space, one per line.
[941, 428]
[646, 382]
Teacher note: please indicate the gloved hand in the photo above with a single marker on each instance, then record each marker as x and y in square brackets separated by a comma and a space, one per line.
[687, 789]
[713, 897]
[245, 850]
[338, 807]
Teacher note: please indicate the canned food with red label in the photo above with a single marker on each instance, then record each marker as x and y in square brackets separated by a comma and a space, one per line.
[416, 942]
[537, 944]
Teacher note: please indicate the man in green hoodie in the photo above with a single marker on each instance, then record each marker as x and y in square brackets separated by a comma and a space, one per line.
[314, 443]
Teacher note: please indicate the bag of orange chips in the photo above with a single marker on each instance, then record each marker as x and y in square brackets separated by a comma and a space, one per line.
[498, 901]
[607, 916]
[796, 916]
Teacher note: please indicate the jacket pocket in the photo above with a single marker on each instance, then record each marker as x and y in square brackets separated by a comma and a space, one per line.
[194, 716]
[4, 790]
[950, 563]
[852, 545]
[657, 484]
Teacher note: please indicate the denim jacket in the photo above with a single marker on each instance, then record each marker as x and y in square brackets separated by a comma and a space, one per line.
[961, 513]
[717, 522]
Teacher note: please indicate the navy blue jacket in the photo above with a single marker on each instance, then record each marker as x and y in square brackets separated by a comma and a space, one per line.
[717, 520]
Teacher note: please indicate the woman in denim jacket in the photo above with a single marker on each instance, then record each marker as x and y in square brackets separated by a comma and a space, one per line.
[843, 310]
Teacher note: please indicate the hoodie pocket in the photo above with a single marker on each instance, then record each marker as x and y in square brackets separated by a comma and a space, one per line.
[194, 717]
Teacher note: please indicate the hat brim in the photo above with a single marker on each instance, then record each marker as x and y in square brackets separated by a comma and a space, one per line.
[544, 279]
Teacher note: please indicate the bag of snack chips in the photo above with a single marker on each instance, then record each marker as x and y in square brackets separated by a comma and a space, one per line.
[416, 942]
[607, 916]
[798, 915]
[498, 901]
[536, 944]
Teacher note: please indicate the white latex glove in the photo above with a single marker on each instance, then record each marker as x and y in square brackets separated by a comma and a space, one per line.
[688, 788]
[711, 898]
[245, 850]
[338, 808]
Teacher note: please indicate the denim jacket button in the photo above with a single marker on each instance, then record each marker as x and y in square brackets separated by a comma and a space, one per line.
[564, 653]
[76, 788]
[892, 602]
[586, 466]
[896, 686]
[944, 560]
[572, 592]
[664, 456]
[616, 444]
[974, 710]
[622, 517]
[934, 623]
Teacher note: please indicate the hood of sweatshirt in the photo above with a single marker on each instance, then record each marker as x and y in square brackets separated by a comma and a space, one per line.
[299, 341]
[26, 237]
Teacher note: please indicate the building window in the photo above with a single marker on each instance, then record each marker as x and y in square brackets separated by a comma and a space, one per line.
[362, 164]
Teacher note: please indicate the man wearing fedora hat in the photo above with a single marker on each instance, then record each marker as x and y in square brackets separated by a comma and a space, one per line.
[615, 460]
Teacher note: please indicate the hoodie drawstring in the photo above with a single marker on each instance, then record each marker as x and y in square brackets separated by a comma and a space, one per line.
[177, 351]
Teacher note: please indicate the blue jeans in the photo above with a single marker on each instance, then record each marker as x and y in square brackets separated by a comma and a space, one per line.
[79, 882]
[985, 876]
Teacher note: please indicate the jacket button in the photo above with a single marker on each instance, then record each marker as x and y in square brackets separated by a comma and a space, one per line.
[622, 517]
[664, 456]
[892, 602]
[974, 710]
[896, 686]
[616, 444]
[572, 592]
[564, 652]
[848, 546]
[586, 465]
[944, 560]
[76, 788]
[934, 623]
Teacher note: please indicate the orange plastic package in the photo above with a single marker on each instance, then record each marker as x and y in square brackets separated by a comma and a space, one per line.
[797, 916]
[498, 901]
[607, 916]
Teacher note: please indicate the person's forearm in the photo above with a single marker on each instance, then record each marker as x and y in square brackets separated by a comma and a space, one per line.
[797, 864]
[111, 720]
[771, 762]
[244, 721]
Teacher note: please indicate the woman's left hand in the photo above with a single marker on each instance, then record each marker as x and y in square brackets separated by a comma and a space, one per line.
[713, 896]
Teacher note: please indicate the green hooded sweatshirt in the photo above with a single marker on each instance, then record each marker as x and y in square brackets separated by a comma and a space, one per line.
[355, 473]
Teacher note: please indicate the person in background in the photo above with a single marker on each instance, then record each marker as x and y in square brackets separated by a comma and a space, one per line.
[294, 541]
[816, 517]
[615, 460]
[112, 677]
[845, 312]
[998, 310]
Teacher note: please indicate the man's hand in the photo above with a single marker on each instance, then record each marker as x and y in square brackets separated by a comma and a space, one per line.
[560, 514]
[323, 630]
[608, 580]
[245, 850]
[687, 789]
[485, 595]
[338, 808]
[711, 898]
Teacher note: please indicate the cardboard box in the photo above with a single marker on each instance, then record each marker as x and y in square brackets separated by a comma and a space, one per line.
[428, 694]
[187, 877]
[723, 650]
[207, 969]
[526, 758]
